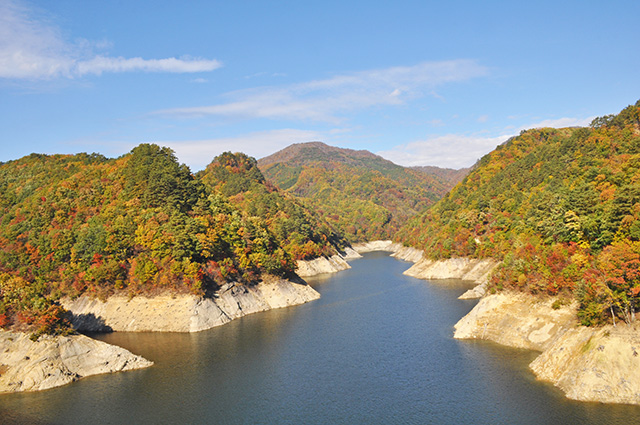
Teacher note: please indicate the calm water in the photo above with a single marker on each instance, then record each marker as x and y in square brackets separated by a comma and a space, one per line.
[377, 348]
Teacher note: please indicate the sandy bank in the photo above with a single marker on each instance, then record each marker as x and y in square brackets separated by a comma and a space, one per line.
[185, 313]
[588, 364]
[51, 361]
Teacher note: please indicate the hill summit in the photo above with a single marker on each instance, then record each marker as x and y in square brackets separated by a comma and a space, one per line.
[363, 194]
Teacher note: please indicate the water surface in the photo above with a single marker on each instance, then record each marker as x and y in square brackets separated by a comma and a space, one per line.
[377, 348]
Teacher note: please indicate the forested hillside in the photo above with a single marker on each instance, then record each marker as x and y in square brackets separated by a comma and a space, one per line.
[296, 228]
[449, 176]
[560, 207]
[141, 223]
[362, 194]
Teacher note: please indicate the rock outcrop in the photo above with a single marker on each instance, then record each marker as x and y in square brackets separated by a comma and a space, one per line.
[477, 270]
[185, 313]
[588, 364]
[594, 365]
[350, 254]
[321, 265]
[453, 268]
[408, 253]
[517, 320]
[399, 251]
[52, 361]
[389, 246]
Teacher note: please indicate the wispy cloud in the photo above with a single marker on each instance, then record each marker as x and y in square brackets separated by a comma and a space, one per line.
[32, 48]
[100, 64]
[325, 100]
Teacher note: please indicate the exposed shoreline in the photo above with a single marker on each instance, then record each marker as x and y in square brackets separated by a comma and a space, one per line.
[185, 313]
[52, 361]
[587, 364]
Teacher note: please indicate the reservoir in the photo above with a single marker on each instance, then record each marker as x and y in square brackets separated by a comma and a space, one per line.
[377, 348]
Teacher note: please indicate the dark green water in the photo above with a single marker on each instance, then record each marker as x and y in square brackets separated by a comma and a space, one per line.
[377, 348]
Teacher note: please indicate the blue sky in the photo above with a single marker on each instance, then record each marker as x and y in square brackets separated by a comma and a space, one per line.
[420, 83]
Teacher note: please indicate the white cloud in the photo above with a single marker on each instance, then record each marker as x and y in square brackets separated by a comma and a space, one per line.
[460, 150]
[448, 151]
[31, 48]
[199, 153]
[561, 122]
[324, 100]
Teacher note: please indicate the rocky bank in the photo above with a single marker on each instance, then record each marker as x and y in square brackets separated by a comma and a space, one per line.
[588, 364]
[397, 250]
[185, 313]
[321, 265]
[338, 262]
[52, 361]
[477, 270]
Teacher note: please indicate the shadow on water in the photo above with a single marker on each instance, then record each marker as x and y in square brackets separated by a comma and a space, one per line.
[377, 347]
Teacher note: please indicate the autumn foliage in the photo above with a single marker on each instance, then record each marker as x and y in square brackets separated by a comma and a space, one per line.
[363, 195]
[141, 223]
[560, 207]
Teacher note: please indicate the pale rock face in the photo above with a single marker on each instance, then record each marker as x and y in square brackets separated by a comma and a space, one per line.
[338, 263]
[456, 268]
[594, 364]
[374, 246]
[185, 313]
[322, 265]
[53, 361]
[588, 364]
[350, 254]
[516, 320]
[408, 254]
[398, 250]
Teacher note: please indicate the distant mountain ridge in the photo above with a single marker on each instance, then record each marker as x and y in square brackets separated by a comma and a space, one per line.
[362, 194]
[449, 175]
[300, 153]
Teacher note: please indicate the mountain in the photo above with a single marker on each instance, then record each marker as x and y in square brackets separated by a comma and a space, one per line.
[298, 229]
[559, 207]
[364, 195]
[449, 176]
[139, 224]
